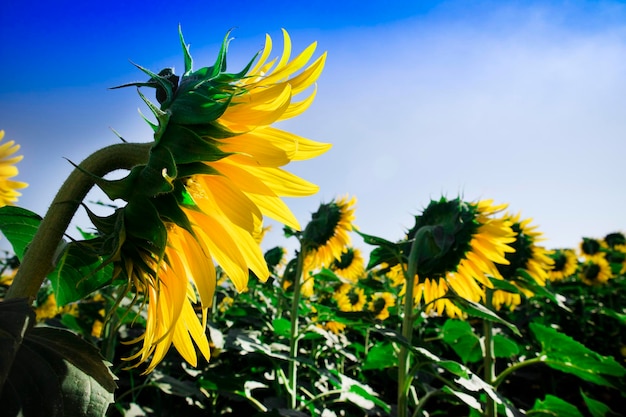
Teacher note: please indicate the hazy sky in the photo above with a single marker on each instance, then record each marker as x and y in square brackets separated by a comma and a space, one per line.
[520, 102]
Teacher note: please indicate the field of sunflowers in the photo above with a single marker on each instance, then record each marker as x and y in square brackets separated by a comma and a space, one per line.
[169, 307]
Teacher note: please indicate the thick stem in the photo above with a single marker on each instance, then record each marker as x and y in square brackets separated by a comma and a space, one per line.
[294, 334]
[38, 260]
[404, 363]
[489, 359]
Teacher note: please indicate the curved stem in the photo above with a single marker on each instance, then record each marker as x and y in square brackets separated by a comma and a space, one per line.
[505, 373]
[38, 259]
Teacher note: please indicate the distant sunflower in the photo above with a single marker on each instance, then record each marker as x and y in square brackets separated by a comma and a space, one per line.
[327, 234]
[595, 272]
[350, 265]
[565, 264]
[590, 248]
[615, 239]
[471, 242]
[8, 170]
[334, 327]
[380, 303]
[529, 261]
[350, 298]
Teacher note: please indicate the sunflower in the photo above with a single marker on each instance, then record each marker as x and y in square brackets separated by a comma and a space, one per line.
[590, 248]
[215, 171]
[350, 265]
[596, 271]
[380, 303]
[350, 298]
[326, 236]
[467, 243]
[8, 187]
[334, 327]
[565, 264]
[529, 262]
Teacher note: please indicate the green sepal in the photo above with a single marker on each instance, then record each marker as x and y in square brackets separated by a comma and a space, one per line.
[162, 117]
[196, 168]
[186, 54]
[144, 224]
[186, 146]
[169, 209]
[113, 233]
[198, 107]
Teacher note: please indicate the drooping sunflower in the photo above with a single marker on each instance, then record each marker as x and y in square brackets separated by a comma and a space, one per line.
[565, 264]
[595, 272]
[530, 263]
[466, 243]
[350, 266]
[214, 172]
[380, 303]
[350, 298]
[8, 170]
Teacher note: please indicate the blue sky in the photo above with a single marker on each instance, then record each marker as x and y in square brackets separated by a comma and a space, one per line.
[520, 102]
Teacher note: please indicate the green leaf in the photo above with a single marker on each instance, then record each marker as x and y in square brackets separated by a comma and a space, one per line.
[79, 272]
[19, 226]
[597, 408]
[54, 373]
[460, 336]
[478, 310]
[556, 407]
[504, 347]
[381, 356]
[282, 327]
[563, 353]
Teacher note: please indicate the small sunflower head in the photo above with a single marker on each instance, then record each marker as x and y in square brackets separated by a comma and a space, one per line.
[565, 264]
[591, 248]
[595, 272]
[326, 235]
[529, 259]
[8, 187]
[350, 298]
[380, 303]
[615, 239]
[350, 266]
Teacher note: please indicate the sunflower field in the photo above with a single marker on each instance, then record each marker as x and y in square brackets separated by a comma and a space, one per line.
[169, 306]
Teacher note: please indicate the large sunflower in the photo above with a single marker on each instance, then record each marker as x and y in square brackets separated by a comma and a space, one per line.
[565, 264]
[466, 244]
[215, 171]
[529, 262]
[8, 170]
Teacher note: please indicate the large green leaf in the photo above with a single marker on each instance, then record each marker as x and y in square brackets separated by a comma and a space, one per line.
[78, 272]
[563, 353]
[380, 356]
[460, 336]
[555, 407]
[598, 408]
[53, 373]
[19, 226]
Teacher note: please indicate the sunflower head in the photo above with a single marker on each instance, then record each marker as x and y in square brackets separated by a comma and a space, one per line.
[529, 260]
[380, 304]
[8, 187]
[591, 248]
[595, 272]
[350, 298]
[615, 239]
[565, 264]
[326, 235]
[350, 265]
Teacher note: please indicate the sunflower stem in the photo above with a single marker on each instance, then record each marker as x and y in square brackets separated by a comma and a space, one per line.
[39, 259]
[294, 335]
[489, 360]
[404, 363]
